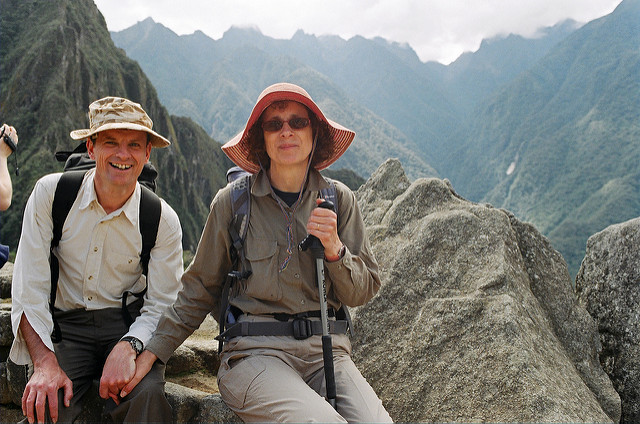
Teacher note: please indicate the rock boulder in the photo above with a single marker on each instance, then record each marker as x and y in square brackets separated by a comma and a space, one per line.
[476, 319]
[608, 285]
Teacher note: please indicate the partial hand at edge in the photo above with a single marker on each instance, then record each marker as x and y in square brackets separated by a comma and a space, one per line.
[144, 362]
[119, 369]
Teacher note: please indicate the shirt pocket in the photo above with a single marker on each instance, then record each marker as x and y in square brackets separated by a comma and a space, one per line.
[263, 283]
[127, 273]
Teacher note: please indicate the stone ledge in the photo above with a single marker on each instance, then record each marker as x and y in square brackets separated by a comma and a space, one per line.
[189, 406]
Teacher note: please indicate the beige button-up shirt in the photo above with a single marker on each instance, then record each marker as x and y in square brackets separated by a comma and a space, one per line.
[99, 257]
[352, 280]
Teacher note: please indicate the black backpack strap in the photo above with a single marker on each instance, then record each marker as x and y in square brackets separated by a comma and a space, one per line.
[66, 193]
[150, 212]
[241, 210]
[149, 219]
[330, 193]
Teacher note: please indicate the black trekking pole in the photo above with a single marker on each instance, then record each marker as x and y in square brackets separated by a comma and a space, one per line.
[317, 250]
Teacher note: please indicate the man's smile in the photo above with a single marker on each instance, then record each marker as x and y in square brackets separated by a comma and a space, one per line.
[120, 165]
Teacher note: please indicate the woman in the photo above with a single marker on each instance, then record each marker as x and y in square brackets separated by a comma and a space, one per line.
[267, 377]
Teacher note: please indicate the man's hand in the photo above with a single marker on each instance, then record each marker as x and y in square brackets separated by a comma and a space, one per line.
[46, 380]
[43, 385]
[144, 362]
[119, 369]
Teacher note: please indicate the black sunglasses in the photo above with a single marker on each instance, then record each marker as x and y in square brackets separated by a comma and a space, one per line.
[276, 124]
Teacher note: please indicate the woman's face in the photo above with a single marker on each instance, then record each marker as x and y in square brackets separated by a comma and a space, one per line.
[288, 146]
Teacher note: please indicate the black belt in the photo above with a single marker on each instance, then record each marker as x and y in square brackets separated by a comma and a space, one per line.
[298, 328]
[331, 313]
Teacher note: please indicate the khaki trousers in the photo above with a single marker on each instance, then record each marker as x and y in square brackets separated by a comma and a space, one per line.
[280, 379]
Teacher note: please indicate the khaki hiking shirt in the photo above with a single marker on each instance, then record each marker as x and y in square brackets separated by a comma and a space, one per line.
[352, 280]
[99, 256]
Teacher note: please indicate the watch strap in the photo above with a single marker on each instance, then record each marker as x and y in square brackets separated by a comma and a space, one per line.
[135, 343]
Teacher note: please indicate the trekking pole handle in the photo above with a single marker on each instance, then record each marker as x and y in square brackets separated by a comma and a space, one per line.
[312, 242]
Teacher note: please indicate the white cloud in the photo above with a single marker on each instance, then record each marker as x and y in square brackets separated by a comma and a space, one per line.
[437, 29]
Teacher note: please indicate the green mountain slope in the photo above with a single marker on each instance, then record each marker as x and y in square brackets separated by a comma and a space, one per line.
[560, 146]
[424, 103]
[57, 57]
[243, 63]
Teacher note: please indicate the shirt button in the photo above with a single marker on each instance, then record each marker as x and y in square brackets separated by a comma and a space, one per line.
[302, 301]
[95, 249]
[297, 275]
[90, 277]
[89, 298]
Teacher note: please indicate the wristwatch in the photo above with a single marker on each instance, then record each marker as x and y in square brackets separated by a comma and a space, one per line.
[135, 343]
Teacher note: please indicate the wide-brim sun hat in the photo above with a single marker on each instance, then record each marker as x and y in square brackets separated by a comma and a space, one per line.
[117, 113]
[237, 149]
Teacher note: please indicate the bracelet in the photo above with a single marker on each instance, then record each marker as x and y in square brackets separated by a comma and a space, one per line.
[337, 257]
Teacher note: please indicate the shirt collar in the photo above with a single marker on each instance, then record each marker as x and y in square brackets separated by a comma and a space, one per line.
[261, 184]
[88, 196]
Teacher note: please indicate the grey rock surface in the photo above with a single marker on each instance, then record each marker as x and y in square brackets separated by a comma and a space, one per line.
[460, 331]
[608, 285]
[6, 273]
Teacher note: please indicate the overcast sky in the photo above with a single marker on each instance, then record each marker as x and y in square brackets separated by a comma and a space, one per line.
[437, 30]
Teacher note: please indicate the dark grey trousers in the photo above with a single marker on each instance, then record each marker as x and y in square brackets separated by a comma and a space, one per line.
[87, 340]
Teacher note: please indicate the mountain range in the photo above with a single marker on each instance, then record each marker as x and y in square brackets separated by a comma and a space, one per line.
[546, 127]
[57, 57]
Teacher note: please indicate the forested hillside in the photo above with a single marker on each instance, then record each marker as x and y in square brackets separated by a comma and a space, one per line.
[57, 57]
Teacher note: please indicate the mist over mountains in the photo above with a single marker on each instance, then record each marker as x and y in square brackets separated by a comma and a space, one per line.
[545, 127]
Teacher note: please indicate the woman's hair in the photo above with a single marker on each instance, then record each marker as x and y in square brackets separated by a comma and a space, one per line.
[324, 145]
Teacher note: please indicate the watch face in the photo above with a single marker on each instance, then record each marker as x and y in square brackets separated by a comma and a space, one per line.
[135, 344]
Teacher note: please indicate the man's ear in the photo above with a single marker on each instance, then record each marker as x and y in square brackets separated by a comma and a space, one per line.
[149, 146]
[90, 148]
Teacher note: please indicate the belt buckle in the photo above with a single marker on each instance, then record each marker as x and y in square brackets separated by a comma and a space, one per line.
[302, 328]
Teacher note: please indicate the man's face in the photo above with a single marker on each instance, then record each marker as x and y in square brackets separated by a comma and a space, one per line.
[120, 156]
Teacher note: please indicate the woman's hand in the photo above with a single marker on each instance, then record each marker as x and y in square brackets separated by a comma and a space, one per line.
[323, 223]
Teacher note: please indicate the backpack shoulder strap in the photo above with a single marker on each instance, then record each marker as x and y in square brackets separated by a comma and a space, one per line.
[149, 219]
[149, 216]
[241, 209]
[331, 194]
[65, 194]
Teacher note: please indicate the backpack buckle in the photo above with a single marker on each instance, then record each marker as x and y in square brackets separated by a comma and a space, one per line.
[302, 328]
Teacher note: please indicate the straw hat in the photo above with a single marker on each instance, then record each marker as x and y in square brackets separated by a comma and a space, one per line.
[237, 149]
[115, 113]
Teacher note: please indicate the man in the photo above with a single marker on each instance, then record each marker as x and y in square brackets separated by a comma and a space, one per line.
[99, 260]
